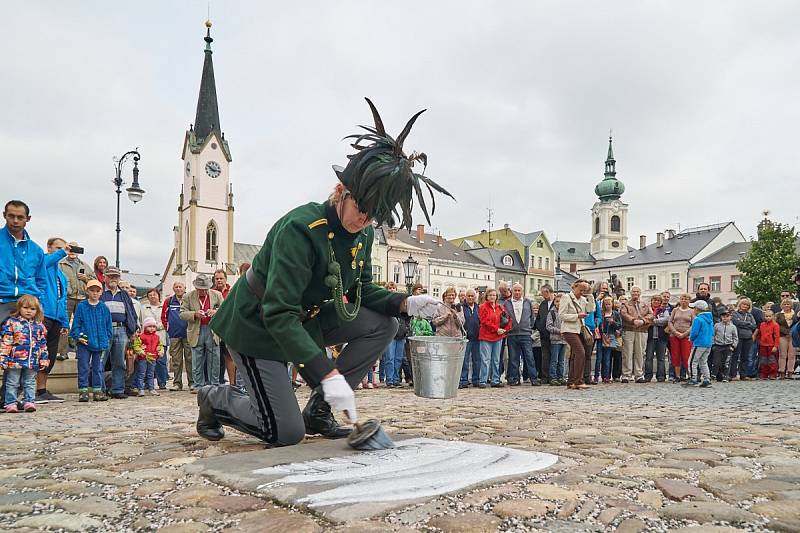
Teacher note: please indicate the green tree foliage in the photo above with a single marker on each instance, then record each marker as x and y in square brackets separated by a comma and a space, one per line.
[768, 266]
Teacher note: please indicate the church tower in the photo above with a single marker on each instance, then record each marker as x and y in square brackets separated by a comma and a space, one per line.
[609, 214]
[204, 234]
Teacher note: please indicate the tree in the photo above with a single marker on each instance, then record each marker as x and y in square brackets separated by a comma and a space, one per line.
[768, 266]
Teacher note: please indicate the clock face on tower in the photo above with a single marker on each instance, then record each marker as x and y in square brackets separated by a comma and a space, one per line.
[213, 169]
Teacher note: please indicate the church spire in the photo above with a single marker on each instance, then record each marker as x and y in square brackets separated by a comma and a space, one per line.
[611, 163]
[610, 188]
[207, 117]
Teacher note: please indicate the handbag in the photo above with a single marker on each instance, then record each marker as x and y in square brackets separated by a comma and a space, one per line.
[586, 336]
[504, 318]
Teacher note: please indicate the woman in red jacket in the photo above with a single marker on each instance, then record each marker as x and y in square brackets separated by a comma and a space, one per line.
[494, 321]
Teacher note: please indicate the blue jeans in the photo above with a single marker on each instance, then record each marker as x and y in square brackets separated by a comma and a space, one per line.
[393, 356]
[145, 371]
[90, 364]
[205, 354]
[557, 361]
[472, 354]
[603, 362]
[116, 351]
[520, 346]
[162, 374]
[17, 378]
[490, 357]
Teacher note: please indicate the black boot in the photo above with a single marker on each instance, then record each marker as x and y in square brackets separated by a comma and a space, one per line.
[318, 418]
[208, 426]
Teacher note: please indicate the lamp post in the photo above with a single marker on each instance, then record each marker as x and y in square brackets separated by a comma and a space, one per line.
[135, 192]
[410, 271]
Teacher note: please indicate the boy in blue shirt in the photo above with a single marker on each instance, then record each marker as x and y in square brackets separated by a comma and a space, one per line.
[92, 331]
[702, 337]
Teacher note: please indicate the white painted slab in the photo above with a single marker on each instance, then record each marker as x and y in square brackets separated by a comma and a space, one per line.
[416, 468]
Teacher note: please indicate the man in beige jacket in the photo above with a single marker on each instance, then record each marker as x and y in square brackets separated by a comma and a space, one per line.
[636, 318]
[197, 308]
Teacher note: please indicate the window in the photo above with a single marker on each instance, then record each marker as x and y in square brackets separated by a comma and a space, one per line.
[547, 263]
[615, 244]
[573, 267]
[651, 282]
[538, 282]
[735, 282]
[533, 260]
[716, 283]
[675, 280]
[377, 273]
[435, 292]
[539, 263]
[629, 283]
[396, 275]
[539, 244]
[211, 242]
[461, 274]
[532, 285]
[508, 260]
[615, 224]
[597, 225]
[696, 283]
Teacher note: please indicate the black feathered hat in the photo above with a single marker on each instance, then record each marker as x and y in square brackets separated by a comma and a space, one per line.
[380, 175]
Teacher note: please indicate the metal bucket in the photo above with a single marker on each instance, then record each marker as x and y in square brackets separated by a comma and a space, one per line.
[436, 364]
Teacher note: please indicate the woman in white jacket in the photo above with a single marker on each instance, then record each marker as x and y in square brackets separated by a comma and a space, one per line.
[153, 308]
[572, 309]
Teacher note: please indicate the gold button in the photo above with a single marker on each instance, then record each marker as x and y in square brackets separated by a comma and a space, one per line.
[330, 235]
[360, 245]
[353, 264]
[301, 365]
[361, 263]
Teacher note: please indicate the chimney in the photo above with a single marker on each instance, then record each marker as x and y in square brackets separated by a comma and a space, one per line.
[642, 242]
[393, 233]
[439, 239]
[421, 233]
[505, 226]
[670, 234]
[659, 239]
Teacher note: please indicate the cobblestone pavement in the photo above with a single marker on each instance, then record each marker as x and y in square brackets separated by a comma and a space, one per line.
[654, 457]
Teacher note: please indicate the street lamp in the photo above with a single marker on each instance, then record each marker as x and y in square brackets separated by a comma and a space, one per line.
[135, 192]
[410, 271]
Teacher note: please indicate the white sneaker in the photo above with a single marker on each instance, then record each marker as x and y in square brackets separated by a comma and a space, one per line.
[155, 392]
[141, 392]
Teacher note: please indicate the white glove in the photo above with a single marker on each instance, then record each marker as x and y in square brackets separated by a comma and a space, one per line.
[340, 396]
[423, 305]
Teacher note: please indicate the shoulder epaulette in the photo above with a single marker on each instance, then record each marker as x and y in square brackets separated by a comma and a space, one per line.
[319, 222]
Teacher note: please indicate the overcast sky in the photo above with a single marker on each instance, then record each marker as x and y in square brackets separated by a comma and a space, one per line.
[702, 98]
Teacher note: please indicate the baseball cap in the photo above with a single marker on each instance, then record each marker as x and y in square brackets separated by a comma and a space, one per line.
[112, 271]
[94, 283]
[699, 304]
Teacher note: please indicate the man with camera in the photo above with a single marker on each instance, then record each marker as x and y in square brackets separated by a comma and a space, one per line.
[77, 273]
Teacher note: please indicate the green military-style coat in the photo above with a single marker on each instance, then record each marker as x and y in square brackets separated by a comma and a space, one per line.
[292, 265]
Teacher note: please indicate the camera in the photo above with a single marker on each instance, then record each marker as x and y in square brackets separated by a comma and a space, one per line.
[76, 249]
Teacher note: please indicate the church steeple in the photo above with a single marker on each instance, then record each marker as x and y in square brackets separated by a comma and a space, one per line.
[207, 116]
[610, 188]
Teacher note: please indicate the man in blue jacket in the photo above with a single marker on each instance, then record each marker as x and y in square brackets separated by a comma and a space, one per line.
[54, 305]
[472, 353]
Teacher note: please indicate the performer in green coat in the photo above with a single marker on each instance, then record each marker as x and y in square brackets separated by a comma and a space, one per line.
[310, 286]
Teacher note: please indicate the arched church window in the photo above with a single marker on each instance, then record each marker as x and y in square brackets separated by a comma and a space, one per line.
[615, 224]
[211, 242]
[597, 225]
